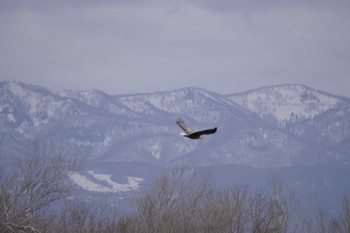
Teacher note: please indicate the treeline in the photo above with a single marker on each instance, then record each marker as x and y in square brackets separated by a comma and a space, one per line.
[182, 200]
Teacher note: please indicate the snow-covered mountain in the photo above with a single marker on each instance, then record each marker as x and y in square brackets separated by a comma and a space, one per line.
[255, 127]
[318, 117]
[286, 104]
[126, 139]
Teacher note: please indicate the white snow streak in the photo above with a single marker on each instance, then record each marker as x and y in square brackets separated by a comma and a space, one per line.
[104, 183]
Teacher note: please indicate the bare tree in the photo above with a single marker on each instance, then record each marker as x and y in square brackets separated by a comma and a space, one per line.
[326, 222]
[172, 203]
[185, 200]
[39, 180]
[346, 215]
[275, 211]
[80, 216]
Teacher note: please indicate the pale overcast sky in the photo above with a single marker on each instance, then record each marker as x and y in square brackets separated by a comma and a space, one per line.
[130, 46]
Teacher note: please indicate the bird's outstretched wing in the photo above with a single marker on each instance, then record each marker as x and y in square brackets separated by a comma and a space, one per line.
[182, 125]
[202, 132]
[208, 131]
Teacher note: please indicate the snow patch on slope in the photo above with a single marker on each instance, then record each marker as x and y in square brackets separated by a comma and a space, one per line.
[96, 182]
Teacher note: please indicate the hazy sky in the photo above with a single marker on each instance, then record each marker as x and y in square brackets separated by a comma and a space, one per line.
[130, 46]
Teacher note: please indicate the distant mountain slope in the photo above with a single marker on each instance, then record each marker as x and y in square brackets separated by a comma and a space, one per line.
[286, 103]
[332, 129]
[320, 118]
[269, 127]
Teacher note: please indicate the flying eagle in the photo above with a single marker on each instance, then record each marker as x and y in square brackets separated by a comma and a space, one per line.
[194, 135]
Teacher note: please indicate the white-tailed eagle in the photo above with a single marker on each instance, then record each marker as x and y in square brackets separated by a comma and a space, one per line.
[194, 135]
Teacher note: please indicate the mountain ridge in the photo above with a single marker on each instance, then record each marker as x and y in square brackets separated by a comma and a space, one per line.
[140, 127]
[282, 103]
